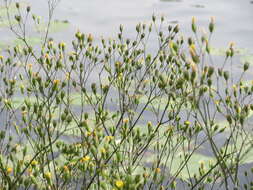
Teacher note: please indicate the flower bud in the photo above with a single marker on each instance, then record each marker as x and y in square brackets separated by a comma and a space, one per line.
[211, 25]
[194, 28]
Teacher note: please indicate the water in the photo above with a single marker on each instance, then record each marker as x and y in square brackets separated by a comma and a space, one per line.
[103, 17]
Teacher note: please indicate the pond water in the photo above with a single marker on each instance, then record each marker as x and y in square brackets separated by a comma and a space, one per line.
[103, 17]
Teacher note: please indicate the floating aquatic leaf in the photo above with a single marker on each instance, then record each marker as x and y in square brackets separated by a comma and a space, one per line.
[12, 10]
[247, 58]
[55, 26]
[32, 41]
[192, 166]
[5, 22]
[2, 45]
[222, 51]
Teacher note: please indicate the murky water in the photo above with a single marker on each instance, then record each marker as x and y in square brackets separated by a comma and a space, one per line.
[103, 17]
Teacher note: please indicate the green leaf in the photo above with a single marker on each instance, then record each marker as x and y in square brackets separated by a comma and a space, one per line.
[55, 26]
[222, 51]
[32, 41]
[247, 58]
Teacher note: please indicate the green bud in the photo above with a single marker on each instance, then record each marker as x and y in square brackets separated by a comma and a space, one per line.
[246, 66]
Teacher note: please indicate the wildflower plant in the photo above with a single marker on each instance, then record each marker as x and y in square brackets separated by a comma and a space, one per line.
[114, 115]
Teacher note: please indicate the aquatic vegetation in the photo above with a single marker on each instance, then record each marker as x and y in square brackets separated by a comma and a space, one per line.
[247, 58]
[55, 26]
[113, 115]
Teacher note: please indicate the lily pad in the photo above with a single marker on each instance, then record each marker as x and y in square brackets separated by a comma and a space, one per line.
[247, 58]
[177, 162]
[12, 10]
[32, 41]
[2, 45]
[6, 23]
[222, 51]
[55, 26]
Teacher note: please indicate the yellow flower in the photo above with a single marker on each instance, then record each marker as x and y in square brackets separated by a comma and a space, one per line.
[56, 81]
[103, 151]
[48, 175]
[50, 43]
[66, 169]
[1, 57]
[88, 133]
[29, 171]
[187, 123]
[126, 120]
[29, 65]
[109, 138]
[193, 47]
[145, 175]
[158, 170]
[67, 76]
[62, 45]
[46, 56]
[85, 159]
[9, 170]
[119, 183]
[34, 163]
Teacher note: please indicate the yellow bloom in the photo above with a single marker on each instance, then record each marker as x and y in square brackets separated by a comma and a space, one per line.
[88, 133]
[62, 45]
[85, 159]
[1, 57]
[67, 76]
[102, 150]
[193, 47]
[46, 56]
[119, 183]
[109, 138]
[56, 81]
[34, 163]
[158, 170]
[126, 120]
[50, 43]
[9, 170]
[29, 65]
[66, 169]
[48, 175]
[187, 123]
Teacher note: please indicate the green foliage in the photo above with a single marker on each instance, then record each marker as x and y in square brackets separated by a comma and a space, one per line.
[55, 26]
